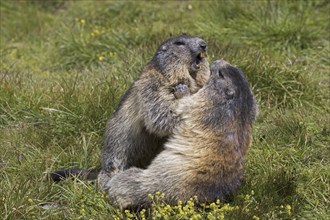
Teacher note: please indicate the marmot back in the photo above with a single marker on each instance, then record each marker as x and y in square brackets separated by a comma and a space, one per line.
[205, 154]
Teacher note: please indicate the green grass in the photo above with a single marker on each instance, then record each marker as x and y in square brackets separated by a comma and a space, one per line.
[65, 64]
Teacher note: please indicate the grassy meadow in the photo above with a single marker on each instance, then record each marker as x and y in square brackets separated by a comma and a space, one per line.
[65, 64]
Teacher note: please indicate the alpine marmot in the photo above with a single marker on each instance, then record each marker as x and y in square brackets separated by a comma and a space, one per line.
[204, 156]
[146, 114]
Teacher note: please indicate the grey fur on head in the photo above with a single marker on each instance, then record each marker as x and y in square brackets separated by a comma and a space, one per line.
[179, 51]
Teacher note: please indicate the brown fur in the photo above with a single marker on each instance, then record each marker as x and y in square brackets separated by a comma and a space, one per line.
[146, 114]
[205, 154]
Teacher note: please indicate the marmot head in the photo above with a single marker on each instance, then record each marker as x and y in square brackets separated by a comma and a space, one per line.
[231, 93]
[180, 52]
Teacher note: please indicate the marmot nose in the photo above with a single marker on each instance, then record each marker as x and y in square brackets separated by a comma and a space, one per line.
[203, 45]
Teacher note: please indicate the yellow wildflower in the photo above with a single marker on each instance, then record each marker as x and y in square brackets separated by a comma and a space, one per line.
[288, 209]
[143, 214]
[96, 32]
[128, 214]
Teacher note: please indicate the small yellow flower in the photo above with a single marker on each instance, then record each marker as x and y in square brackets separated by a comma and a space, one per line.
[30, 200]
[288, 209]
[227, 208]
[255, 217]
[196, 217]
[143, 214]
[128, 214]
[112, 55]
[82, 21]
[96, 32]
[101, 58]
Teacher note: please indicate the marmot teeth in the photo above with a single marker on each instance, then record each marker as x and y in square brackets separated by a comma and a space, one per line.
[203, 54]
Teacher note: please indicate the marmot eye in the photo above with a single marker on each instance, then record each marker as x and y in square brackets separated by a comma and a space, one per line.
[179, 43]
[220, 74]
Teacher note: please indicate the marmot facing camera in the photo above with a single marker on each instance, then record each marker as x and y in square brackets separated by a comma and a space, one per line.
[146, 114]
[205, 154]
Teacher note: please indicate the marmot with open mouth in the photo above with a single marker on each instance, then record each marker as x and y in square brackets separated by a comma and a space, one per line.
[146, 114]
[204, 156]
